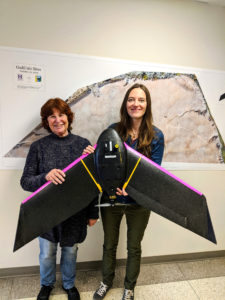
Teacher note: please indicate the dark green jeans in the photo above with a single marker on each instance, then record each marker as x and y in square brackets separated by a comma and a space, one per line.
[137, 219]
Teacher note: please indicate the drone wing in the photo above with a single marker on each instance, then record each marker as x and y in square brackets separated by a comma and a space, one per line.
[51, 204]
[155, 188]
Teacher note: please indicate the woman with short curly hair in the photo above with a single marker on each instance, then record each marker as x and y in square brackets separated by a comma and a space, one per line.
[46, 159]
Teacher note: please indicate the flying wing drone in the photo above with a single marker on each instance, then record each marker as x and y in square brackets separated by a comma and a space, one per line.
[114, 164]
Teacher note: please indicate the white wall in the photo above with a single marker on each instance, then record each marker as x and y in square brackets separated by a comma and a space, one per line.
[171, 32]
[178, 32]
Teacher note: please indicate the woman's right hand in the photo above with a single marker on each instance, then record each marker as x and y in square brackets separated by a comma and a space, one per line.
[88, 150]
[56, 176]
[121, 192]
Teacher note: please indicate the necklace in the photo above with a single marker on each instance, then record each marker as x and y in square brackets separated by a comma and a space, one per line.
[134, 134]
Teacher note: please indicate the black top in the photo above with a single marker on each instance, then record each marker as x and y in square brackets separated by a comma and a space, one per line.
[53, 152]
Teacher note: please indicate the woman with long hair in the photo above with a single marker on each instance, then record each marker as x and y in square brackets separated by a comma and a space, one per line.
[137, 130]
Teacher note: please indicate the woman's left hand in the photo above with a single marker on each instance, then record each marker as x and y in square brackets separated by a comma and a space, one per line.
[121, 192]
[92, 222]
[88, 150]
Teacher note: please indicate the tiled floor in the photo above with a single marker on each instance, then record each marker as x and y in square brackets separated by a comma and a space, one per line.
[189, 280]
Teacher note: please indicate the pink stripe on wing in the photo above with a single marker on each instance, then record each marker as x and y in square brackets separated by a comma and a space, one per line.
[162, 169]
[37, 191]
[64, 170]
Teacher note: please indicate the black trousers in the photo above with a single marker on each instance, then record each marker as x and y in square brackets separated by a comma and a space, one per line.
[137, 219]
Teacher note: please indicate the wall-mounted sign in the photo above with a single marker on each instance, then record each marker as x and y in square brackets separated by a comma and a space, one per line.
[28, 76]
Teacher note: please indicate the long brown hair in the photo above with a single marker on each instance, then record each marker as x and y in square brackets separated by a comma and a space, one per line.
[56, 103]
[146, 131]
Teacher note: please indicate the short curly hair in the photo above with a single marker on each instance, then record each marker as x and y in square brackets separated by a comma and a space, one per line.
[59, 104]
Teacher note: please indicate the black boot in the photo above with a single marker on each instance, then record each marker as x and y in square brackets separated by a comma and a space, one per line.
[72, 293]
[44, 293]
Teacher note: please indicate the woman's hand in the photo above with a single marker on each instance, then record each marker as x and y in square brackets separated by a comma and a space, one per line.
[88, 150]
[56, 176]
[92, 222]
[121, 192]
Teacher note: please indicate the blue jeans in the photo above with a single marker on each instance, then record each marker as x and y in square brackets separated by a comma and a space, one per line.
[47, 259]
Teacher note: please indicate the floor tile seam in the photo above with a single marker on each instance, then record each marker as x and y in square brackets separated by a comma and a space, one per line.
[181, 271]
[193, 289]
[195, 279]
